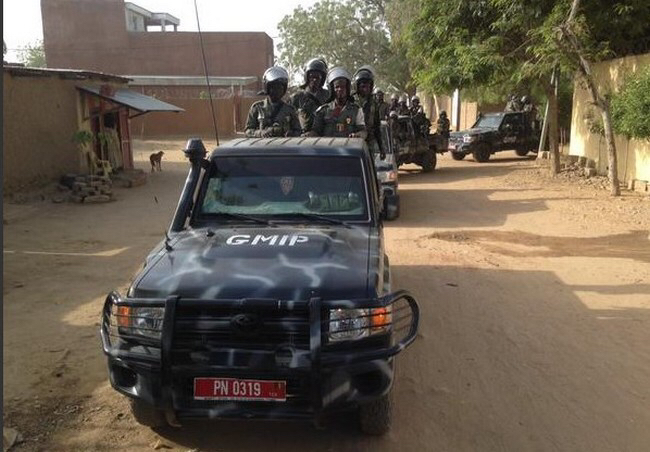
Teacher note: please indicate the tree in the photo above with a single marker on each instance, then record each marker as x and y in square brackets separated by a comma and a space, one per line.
[485, 44]
[630, 106]
[349, 33]
[581, 40]
[33, 55]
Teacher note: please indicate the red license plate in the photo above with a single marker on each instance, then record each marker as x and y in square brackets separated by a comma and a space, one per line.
[208, 388]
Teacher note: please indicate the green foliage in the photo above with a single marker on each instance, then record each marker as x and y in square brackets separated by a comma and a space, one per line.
[631, 106]
[82, 138]
[33, 55]
[348, 33]
[494, 47]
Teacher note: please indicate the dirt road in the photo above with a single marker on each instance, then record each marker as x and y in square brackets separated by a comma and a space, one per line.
[535, 330]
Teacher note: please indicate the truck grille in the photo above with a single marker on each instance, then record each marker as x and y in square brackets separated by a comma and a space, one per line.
[210, 333]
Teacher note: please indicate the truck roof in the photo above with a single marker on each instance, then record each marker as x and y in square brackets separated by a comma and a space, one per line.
[292, 145]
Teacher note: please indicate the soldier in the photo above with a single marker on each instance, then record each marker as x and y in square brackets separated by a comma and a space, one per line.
[420, 121]
[272, 117]
[364, 80]
[513, 104]
[443, 125]
[394, 103]
[341, 117]
[415, 106]
[381, 105]
[402, 107]
[312, 94]
[531, 112]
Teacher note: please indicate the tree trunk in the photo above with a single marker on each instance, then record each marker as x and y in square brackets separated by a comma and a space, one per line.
[575, 49]
[612, 160]
[553, 142]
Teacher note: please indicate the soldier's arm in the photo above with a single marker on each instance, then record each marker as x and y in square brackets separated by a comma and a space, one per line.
[359, 129]
[252, 124]
[294, 125]
[319, 124]
[377, 131]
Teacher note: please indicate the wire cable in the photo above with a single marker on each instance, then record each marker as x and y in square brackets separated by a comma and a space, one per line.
[207, 78]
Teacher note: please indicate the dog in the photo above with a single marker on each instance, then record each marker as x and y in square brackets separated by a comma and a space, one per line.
[155, 160]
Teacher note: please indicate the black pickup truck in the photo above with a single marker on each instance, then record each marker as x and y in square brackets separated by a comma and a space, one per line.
[270, 296]
[495, 132]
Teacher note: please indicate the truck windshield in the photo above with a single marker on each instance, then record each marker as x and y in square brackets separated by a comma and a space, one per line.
[279, 186]
[488, 122]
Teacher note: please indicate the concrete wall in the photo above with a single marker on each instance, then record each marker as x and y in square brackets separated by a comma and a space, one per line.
[196, 120]
[92, 35]
[468, 110]
[633, 155]
[40, 117]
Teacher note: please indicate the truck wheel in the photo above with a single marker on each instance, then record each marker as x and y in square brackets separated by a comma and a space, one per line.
[429, 160]
[482, 154]
[146, 414]
[457, 155]
[521, 152]
[375, 417]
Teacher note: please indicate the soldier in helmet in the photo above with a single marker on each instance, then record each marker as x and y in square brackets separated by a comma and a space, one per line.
[364, 81]
[420, 121]
[513, 104]
[415, 107]
[272, 117]
[394, 103]
[443, 124]
[402, 106]
[381, 105]
[340, 117]
[312, 94]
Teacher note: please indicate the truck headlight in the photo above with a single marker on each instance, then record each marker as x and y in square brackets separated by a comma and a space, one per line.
[468, 138]
[353, 324]
[388, 176]
[138, 321]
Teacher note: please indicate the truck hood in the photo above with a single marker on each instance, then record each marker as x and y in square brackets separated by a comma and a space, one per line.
[291, 263]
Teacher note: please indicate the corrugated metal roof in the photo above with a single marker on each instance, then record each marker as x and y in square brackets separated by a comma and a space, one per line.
[132, 99]
[63, 73]
[189, 80]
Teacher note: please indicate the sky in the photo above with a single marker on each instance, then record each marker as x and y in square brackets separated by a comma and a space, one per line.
[22, 25]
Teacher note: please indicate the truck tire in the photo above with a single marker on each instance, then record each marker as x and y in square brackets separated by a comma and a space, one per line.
[146, 414]
[521, 152]
[457, 155]
[429, 160]
[376, 417]
[482, 153]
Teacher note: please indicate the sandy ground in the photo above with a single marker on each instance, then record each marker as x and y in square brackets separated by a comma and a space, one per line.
[535, 330]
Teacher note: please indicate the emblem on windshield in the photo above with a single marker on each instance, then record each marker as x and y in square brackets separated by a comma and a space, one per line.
[286, 184]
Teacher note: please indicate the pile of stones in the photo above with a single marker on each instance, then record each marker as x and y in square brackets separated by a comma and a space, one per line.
[87, 189]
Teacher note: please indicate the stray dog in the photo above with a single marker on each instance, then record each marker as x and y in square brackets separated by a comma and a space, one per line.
[155, 160]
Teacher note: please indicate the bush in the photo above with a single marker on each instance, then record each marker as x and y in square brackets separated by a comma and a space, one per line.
[631, 106]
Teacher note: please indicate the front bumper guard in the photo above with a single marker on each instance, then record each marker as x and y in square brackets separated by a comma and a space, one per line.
[315, 361]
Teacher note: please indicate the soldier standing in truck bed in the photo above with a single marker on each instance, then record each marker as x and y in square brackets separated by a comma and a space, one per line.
[382, 106]
[312, 94]
[340, 117]
[272, 117]
[364, 81]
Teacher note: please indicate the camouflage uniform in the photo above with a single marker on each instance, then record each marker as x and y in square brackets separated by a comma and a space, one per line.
[384, 109]
[372, 119]
[333, 121]
[276, 120]
[306, 105]
[443, 126]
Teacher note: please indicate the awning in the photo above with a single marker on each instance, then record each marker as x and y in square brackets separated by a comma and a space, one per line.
[131, 99]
